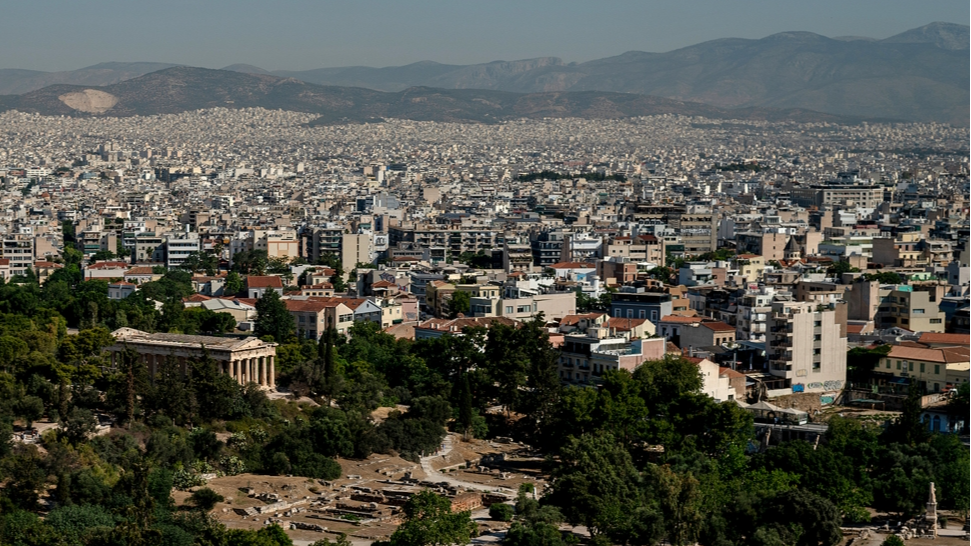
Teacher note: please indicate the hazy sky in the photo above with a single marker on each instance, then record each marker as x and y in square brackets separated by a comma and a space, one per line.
[304, 34]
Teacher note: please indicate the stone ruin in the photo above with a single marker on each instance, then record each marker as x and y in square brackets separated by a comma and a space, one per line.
[922, 526]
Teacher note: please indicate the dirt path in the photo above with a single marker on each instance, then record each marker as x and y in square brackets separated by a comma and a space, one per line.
[433, 475]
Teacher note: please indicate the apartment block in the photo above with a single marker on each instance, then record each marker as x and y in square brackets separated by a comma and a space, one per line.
[806, 346]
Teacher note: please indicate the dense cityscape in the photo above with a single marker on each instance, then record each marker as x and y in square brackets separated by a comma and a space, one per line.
[237, 327]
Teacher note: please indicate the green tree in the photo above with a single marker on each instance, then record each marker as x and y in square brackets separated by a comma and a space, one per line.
[884, 277]
[429, 521]
[840, 267]
[205, 499]
[26, 477]
[21, 528]
[861, 361]
[272, 317]
[77, 425]
[234, 283]
[892, 540]
[466, 413]
[272, 535]
[536, 524]
[801, 518]
[680, 505]
[459, 304]
[596, 485]
[250, 262]
[102, 255]
[73, 522]
[908, 428]
[30, 408]
[501, 512]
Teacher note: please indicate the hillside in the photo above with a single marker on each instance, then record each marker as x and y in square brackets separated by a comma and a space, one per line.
[179, 89]
[15, 81]
[920, 75]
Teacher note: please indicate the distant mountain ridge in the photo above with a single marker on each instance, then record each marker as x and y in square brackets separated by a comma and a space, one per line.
[918, 75]
[15, 81]
[181, 89]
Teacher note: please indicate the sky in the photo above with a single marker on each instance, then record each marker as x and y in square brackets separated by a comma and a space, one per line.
[304, 34]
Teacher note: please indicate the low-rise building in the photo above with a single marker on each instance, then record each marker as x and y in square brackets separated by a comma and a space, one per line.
[931, 370]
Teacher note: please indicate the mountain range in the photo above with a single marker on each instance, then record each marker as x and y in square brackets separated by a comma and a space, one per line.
[919, 75]
[182, 88]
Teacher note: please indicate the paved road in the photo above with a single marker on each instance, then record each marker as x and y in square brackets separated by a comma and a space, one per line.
[436, 476]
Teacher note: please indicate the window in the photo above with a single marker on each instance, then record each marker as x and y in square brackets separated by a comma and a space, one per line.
[641, 313]
[888, 364]
[898, 364]
[921, 367]
[630, 313]
[937, 369]
[935, 321]
[817, 351]
[509, 309]
[917, 312]
[653, 315]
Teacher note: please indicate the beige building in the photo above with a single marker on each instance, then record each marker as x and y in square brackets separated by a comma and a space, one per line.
[355, 249]
[771, 246]
[19, 249]
[806, 346]
[750, 267]
[642, 248]
[900, 251]
[313, 317]
[248, 360]
[930, 369]
[914, 310]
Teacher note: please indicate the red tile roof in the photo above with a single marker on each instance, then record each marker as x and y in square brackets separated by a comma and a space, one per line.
[944, 355]
[623, 324]
[254, 281]
[718, 326]
[306, 306]
[570, 320]
[939, 339]
[108, 265]
[675, 319]
[728, 372]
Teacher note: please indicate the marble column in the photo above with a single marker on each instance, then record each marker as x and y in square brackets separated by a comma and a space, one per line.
[272, 371]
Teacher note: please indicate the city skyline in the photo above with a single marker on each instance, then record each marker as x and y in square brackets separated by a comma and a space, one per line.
[315, 35]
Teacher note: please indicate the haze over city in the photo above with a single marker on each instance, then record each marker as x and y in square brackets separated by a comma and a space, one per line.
[308, 34]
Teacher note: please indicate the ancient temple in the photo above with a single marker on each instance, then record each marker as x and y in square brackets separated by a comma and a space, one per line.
[245, 360]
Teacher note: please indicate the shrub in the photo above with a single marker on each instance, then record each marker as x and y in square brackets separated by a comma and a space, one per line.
[893, 540]
[501, 512]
